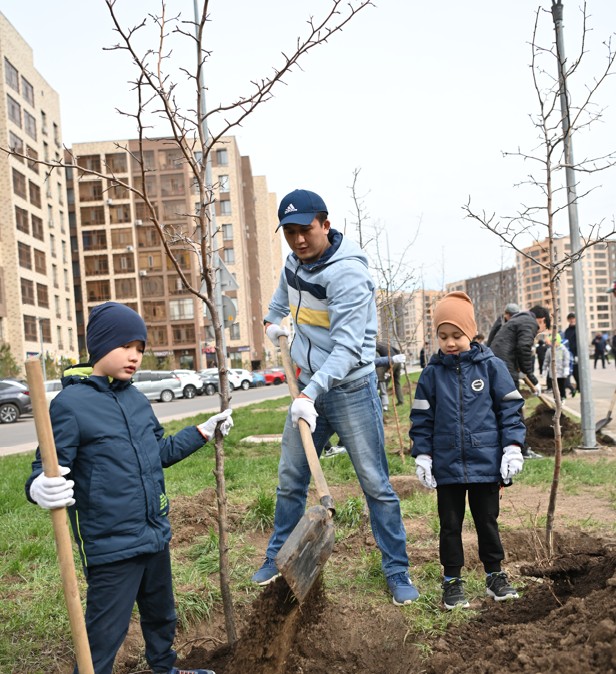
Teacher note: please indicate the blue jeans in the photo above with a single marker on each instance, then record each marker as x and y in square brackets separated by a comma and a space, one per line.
[353, 411]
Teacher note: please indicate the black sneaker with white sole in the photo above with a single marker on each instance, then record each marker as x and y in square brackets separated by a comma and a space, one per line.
[453, 594]
[499, 588]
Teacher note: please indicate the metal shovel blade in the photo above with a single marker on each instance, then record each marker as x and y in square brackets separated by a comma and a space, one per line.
[305, 552]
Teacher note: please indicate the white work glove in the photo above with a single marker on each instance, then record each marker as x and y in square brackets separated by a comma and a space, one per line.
[511, 463]
[53, 492]
[537, 389]
[274, 331]
[208, 428]
[399, 358]
[303, 408]
[423, 464]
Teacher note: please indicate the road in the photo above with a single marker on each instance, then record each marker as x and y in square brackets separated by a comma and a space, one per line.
[21, 436]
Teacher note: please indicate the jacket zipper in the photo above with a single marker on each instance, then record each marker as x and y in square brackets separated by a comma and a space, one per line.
[299, 302]
[461, 397]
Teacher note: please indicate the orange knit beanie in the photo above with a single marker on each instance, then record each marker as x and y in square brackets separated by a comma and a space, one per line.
[456, 308]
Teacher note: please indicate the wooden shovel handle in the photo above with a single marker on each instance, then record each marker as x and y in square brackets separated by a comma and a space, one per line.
[64, 547]
[304, 430]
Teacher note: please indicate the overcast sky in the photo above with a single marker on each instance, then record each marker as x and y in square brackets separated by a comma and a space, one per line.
[422, 97]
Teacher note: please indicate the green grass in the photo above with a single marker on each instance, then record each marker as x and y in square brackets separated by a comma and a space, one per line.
[31, 599]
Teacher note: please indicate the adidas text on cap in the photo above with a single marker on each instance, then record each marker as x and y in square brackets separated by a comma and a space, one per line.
[299, 208]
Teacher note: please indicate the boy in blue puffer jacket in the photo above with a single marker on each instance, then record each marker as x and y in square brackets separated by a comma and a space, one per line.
[109, 440]
[467, 433]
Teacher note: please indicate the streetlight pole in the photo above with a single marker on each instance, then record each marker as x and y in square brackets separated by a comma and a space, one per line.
[589, 437]
[208, 184]
[44, 365]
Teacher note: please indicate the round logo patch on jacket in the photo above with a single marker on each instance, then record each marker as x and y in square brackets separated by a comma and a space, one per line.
[477, 385]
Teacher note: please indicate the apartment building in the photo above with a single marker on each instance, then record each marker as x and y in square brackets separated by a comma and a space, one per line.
[37, 311]
[490, 294]
[598, 271]
[121, 257]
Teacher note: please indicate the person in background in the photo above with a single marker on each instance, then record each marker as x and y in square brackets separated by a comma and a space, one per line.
[510, 310]
[327, 286]
[423, 355]
[614, 346]
[514, 344]
[112, 445]
[389, 359]
[599, 343]
[540, 351]
[467, 432]
[562, 359]
[570, 335]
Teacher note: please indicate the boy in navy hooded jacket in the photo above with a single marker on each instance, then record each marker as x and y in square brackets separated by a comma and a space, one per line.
[467, 433]
[109, 440]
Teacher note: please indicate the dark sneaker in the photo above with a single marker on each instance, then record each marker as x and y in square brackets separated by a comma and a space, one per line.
[453, 594]
[175, 670]
[333, 451]
[498, 587]
[402, 589]
[267, 573]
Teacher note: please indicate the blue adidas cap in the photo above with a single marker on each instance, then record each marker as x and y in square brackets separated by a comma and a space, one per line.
[299, 208]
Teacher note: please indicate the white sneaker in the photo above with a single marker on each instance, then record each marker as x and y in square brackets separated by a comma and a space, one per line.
[333, 451]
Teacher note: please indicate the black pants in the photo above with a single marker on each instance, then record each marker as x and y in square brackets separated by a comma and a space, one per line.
[484, 503]
[113, 590]
[602, 356]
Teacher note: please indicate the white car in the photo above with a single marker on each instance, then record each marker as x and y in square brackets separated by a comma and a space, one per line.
[52, 388]
[192, 384]
[245, 378]
[235, 380]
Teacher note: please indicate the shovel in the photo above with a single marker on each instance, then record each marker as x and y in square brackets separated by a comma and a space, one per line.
[546, 400]
[310, 544]
[602, 423]
[64, 549]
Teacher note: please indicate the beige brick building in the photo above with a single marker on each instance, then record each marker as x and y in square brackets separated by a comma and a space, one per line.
[122, 258]
[36, 280]
[598, 268]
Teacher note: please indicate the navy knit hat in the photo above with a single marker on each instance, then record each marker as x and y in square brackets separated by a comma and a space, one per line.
[112, 325]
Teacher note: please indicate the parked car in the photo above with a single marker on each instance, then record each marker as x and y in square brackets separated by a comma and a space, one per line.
[274, 376]
[235, 380]
[211, 383]
[245, 378]
[258, 379]
[191, 382]
[52, 388]
[158, 385]
[14, 401]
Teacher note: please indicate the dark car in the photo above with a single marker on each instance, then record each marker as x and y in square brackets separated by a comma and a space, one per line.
[14, 400]
[274, 376]
[211, 383]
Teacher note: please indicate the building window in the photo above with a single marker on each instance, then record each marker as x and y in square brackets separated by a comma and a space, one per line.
[45, 324]
[172, 185]
[56, 301]
[124, 263]
[32, 165]
[16, 145]
[24, 253]
[69, 313]
[52, 245]
[30, 332]
[93, 239]
[56, 134]
[91, 162]
[120, 238]
[119, 214]
[225, 207]
[154, 311]
[222, 157]
[174, 210]
[184, 334]
[40, 262]
[14, 111]
[27, 91]
[117, 191]
[35, 194]
[170, 159]
[42, 295]
[229, 255]
[91, 190]
[21, 220]
[19, 184]
[92, 215]
[227, 232]
[29, 125]
[125, 288]
[27, 291]
[116, 162]
[98, 291]
[43, 122]
[183, 309]
[96, 265]
[234, 331]
[224, 183]
[11, 75]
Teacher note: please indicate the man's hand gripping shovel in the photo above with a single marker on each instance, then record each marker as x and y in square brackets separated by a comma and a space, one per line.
[310, 544]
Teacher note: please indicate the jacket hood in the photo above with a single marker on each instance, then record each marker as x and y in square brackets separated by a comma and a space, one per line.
[476, 354]
[341, 248]
[82, 374]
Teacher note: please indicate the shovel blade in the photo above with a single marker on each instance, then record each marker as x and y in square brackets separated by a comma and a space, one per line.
[302, 557]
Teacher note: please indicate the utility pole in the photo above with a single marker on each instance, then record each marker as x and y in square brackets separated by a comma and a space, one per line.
[208, 184]
[589, 436]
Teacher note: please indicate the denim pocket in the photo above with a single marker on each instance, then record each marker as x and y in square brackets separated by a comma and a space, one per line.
[352, 386]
